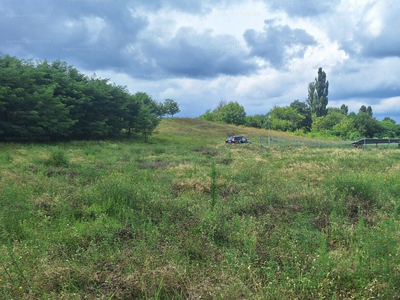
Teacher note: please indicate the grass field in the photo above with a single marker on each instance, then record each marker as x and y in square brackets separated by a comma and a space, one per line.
[188, 217]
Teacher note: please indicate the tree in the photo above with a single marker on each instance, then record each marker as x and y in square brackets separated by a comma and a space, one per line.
[146, 121]
[345, 109]
[326, 124]
[363, 109]
[171, 107]
[256, 121]
[389, 119]
[369, 110]
[367, 125]
[285, 118]
[318, 94]
[233, 113]
[389, 128]
[305, 111]
[311, 97]
[209, 116]
[155, 107]
[131, 111]
[55, 101]
[344, 128]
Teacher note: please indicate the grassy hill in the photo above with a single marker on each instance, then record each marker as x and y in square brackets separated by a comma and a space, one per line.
[188, 217]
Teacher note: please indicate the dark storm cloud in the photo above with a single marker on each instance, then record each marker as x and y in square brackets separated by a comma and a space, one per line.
[372, 93]
[91, 33]
[303, 8]
[103, 34]
[278, 43]
[387, 44]
[199, 55]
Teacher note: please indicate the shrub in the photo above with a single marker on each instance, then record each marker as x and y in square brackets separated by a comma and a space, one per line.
[58, 158]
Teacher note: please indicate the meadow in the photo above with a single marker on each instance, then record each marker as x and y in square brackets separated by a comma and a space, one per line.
[186, 216]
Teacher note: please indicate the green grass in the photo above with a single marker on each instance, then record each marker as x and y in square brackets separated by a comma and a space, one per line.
[188, 217]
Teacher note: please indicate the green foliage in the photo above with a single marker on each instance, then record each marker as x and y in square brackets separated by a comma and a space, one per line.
[367, 125]
[285, 118]
[233, 113]
[146, 121]
[328, 122]
[389, 129]
[303, 109]
[256, 121]
[345, 109]
[57, 158]
[209, 116]
[171, 107]
[355, 135]
[345, 128]
[318, 94]
[53, 101]
[367, 110]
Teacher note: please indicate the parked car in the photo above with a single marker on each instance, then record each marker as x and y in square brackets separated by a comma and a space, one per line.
[237, 140]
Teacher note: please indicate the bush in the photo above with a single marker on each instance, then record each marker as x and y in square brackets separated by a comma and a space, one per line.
[58, 158]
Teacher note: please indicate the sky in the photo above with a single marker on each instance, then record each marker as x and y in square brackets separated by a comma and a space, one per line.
[200, 52]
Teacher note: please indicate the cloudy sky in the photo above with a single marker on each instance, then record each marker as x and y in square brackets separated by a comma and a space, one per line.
[199, 52]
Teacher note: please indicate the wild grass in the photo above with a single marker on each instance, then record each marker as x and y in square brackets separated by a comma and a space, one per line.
[188, 217]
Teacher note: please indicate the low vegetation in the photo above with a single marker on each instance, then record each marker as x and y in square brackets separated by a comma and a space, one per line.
[185, 216]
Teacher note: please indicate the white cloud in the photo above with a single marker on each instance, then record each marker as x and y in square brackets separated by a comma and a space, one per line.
[357, 43]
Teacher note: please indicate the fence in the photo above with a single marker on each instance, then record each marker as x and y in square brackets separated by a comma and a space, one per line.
[279, 141]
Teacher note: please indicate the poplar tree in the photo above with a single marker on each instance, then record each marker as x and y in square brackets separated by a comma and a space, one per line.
[317, 98]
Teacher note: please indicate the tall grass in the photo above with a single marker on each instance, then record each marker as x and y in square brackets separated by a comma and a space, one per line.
[188, 217]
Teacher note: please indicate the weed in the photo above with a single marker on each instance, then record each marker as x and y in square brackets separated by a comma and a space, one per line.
[57, 158]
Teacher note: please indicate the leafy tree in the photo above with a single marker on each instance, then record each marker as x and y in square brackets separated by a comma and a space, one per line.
[131, 110]
[155, 107]
[344, 128]
[369, 110]
[285, 118]
[345, 109]
[305, 111]
[171, 107]
[55, 100]
[336, 110]
[389, 119]
[318, 94]
[389, 129]
[256, 121]
[311, 99]
[209, 116]
[233, 113]
[367, 125]
[363, 109]
[329, 121]
[355, 135]
[146, 121]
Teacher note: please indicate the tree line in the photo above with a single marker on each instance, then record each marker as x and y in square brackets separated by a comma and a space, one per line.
[311, 117]
[53, 101]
